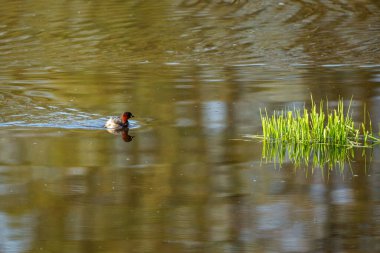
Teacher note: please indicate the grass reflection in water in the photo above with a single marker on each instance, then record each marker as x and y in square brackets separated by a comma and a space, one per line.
[304, 155]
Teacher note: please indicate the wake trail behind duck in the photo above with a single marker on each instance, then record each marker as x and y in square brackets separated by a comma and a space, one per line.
[54, 117]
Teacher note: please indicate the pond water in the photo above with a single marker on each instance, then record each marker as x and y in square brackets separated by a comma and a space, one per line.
[184, 178]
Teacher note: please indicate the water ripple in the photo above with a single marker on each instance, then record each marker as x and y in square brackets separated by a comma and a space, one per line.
[257, 32]
[24, 111]
[66, 118]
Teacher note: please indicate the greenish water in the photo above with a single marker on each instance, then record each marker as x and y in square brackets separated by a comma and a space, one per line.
[183, 178]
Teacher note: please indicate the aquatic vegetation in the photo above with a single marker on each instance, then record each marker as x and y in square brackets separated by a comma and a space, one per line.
[318, 125]
[318, 137]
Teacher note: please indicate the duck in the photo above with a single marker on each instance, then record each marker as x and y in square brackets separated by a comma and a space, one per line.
[119, 123]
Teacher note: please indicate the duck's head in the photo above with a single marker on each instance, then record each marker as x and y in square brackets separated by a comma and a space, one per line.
[125, 116]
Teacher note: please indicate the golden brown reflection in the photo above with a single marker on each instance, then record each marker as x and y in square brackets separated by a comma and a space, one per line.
[95, 36]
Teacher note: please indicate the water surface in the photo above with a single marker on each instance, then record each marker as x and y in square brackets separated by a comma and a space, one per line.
[194, 73]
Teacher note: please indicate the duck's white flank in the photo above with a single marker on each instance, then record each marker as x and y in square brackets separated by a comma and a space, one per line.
[114, 123]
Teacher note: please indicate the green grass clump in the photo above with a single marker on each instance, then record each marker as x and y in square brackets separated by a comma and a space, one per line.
[317, 126]
[317, 137]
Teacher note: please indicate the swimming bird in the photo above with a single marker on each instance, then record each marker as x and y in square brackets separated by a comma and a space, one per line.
[119, 123]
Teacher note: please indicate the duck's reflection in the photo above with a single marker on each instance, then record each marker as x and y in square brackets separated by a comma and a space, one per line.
[123, 132]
